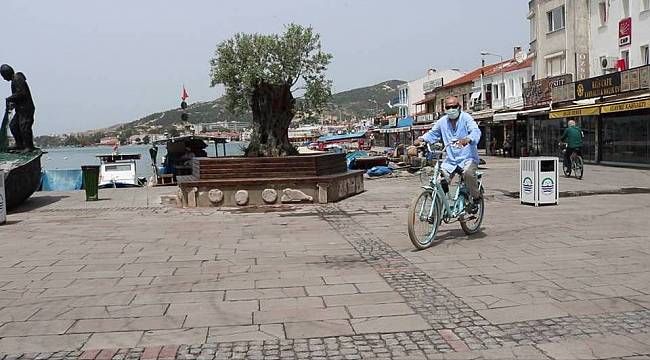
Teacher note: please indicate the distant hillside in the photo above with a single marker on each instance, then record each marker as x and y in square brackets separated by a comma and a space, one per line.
[351, 103]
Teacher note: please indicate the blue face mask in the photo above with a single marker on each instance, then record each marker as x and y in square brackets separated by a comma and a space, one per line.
[453, 113]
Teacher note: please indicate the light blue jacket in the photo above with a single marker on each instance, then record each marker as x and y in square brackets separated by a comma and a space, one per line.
[465, 128]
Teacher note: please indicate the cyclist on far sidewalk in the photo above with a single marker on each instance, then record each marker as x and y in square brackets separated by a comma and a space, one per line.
[572, 136]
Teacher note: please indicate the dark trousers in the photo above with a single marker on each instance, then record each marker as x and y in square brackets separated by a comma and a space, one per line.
[21, 129]
[567, 155]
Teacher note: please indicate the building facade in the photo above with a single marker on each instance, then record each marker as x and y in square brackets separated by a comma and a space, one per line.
[619, 30]
[559, 37]
[413, 91]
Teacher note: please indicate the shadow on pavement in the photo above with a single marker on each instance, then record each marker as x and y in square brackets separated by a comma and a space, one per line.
[37, 202]
[455, 234]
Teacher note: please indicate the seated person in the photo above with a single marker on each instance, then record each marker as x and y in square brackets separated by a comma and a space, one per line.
[187, 156]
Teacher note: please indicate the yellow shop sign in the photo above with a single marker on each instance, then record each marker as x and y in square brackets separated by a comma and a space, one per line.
[579, 111]
[626, 106]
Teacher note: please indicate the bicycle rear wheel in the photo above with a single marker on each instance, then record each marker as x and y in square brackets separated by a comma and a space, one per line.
[578, 167]
[422, 228]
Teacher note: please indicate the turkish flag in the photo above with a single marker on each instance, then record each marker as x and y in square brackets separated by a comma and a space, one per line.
[621, 65]
[184, 94]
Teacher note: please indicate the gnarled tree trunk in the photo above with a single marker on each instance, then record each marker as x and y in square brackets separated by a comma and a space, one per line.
[272, 107]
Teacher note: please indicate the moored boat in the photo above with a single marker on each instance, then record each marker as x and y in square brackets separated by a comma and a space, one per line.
[118, 171]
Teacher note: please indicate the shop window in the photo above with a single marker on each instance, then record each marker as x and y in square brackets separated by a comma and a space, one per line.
[556, 20]
[555, 66]
[495, 91]
[645, 54]
[625, 55]
[625, 138]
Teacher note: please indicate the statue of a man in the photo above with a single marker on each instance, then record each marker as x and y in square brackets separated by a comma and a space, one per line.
[21, 101]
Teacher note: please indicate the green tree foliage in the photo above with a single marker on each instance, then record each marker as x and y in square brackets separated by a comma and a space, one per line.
[261, 73]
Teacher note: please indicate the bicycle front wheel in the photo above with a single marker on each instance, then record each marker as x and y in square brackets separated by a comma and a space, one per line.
[567, 169]
[472, 223]
[424, 219]
[578, 165]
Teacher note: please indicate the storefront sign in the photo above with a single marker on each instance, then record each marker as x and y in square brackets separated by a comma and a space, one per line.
[582, 66]
[625, 32]
[432, 85]
[538, 93]
[563, 93]
[626, 106]
[581, 111]
[604, 85]
[392, 122]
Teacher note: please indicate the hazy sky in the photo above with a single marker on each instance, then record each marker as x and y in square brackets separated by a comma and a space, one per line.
[93, 64]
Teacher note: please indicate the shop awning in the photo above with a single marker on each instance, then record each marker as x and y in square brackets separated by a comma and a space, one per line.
[512, 115]
[395, 130]
[407, 121]
[574, 111]
[483, 114]
[505, 116]
[628, 105]
[422, 127]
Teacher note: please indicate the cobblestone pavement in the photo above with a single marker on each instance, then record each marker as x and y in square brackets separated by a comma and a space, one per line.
[133, 280]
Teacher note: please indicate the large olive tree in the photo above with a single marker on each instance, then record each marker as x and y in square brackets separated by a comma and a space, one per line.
[261, 74]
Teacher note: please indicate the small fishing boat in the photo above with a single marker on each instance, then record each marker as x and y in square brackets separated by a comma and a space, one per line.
[119, 171]
[22, 176]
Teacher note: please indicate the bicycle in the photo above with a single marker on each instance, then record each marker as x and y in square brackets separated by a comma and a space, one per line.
[576, 166]
[433, 206]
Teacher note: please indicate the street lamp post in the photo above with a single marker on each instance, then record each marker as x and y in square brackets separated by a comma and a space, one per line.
[503, 100]
[503, 80]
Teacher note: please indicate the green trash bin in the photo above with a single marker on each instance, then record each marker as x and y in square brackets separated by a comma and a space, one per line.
[91, 181]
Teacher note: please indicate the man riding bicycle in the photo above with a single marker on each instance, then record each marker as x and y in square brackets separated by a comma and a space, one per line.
[461, 135]
[572, 136]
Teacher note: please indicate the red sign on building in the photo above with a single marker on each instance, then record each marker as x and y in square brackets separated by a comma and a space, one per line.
[625, 32]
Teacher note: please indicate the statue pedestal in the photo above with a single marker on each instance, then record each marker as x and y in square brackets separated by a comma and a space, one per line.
[240, 181]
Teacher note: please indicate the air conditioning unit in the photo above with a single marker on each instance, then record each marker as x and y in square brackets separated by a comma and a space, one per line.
[608, 62]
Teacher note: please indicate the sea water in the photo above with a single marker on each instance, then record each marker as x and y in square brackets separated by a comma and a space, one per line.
[75, 157]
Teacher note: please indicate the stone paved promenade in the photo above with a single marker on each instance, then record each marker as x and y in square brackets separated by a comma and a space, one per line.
[127, 278]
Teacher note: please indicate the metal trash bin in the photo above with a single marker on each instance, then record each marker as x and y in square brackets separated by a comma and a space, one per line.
[3, 199]
[90, 175]
[538, 180]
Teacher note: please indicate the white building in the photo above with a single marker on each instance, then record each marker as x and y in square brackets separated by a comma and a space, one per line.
[609, 17]
[413, 91]
[559, 37]
[508, 95]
